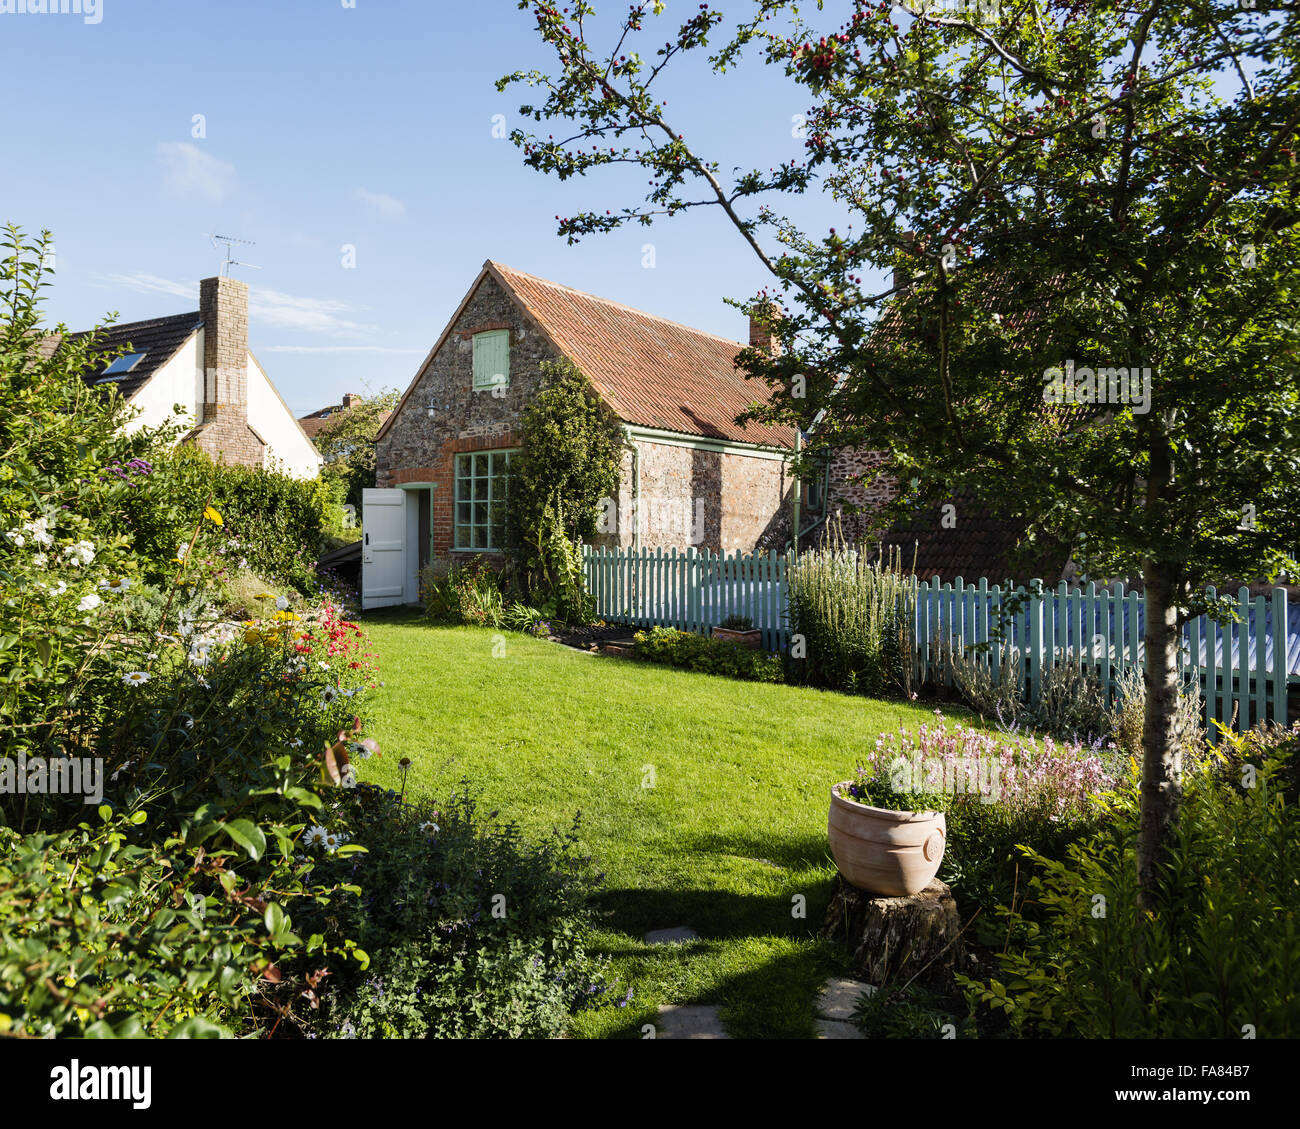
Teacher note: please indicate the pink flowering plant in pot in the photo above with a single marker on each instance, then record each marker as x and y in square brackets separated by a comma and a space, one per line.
[990, 792]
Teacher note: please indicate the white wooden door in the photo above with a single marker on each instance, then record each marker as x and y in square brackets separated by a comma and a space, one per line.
[383, 548]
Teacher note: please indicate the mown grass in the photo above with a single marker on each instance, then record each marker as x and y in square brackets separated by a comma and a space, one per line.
[728, 840]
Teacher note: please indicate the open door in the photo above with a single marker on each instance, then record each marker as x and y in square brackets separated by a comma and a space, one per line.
[383, 548]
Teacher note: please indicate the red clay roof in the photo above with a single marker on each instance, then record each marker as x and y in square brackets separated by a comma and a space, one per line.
[652, 372]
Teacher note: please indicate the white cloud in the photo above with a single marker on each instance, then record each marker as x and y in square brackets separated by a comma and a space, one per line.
[152, 284]
[265, 307]
[191, 173]
[385, 206]
[309, 315]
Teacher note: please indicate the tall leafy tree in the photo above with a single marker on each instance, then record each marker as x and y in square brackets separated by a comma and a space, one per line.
[1068, 189]
[347, 444]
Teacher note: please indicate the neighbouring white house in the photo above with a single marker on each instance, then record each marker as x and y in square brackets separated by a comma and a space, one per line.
[201, 362]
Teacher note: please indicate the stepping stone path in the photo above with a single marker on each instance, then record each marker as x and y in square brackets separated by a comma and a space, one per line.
[689, 1021]
[676, 935]
[684, 1021]
[835, 1006]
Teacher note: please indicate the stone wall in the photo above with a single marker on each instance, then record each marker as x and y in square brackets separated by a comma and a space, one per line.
[421, 445]
[719, 501]
[856, 503]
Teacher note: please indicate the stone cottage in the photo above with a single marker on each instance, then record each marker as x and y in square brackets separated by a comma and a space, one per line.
[691, 476]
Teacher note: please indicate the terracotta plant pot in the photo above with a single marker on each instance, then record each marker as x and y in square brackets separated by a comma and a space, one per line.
[751, 638]
[894, 853]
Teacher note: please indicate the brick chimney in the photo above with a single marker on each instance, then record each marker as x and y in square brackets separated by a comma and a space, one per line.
[760, 332]
[350, 398]
[224, 427]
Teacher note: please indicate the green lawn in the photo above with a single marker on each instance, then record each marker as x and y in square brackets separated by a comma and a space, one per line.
[732, 830]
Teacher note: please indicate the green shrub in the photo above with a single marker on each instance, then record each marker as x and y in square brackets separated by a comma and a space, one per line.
[1213, 956]
[274, 525]
[473, 931]
[467, 594]
[737, 623]
[855, 620]
[707, 655]
[571, 446]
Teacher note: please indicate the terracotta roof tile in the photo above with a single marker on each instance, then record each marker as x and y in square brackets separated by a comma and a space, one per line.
[652, 372]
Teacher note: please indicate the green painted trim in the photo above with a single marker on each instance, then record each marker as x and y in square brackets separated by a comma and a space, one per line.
[698, 443]
[416, 486]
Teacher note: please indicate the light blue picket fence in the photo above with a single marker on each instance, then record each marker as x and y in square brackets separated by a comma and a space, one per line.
[692, 591]
[1244, 668]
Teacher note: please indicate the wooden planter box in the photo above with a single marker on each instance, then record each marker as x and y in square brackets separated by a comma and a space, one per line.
[752, 638]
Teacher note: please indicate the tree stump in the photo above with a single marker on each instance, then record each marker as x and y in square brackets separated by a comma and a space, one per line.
[893, 939]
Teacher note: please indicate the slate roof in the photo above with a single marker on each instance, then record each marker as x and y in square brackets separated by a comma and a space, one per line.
[158, 339]
[652, 372]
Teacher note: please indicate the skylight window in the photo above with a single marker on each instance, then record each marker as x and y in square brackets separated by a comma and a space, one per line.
[120, 367]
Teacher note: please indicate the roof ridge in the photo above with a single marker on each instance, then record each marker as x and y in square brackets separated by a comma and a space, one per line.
[612, 302]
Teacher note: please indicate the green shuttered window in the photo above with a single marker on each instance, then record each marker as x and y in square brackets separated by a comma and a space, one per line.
[492, 359]
[480, 500]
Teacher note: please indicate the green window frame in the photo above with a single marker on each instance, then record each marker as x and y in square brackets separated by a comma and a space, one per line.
[479, 524]
[491, 358]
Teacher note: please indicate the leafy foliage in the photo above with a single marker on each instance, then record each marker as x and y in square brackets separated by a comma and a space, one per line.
[705, 654]
[346, 442]
[1211, 957]
[853, 618]
[475, 932]
[568, 465]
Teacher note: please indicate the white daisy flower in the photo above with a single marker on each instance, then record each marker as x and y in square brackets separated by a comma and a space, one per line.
[135, 677]
[203, 682]
[334, 840]
[88, 603]
[294, 742]
[185, 623]
[348, 778]
[82, 553]
[40, 531]
[163, 637]
[119, 584]
[429, 827]
[199, 652]
[112, 776]
[315, 836]
[322, 664]
[327, 696]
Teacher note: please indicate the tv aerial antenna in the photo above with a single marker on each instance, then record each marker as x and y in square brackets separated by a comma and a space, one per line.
[230, 241]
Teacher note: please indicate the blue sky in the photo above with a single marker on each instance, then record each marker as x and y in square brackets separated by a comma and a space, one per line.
[327, 126]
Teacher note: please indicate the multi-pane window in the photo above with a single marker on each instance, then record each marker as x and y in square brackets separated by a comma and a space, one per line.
[492, 359]
[480, 500]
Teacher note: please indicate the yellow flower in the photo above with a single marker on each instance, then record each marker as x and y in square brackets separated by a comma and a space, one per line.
[265, 596]
[288, 617]
[212, 515]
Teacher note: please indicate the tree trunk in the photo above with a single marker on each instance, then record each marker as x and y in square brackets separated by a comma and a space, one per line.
[1162, 738]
